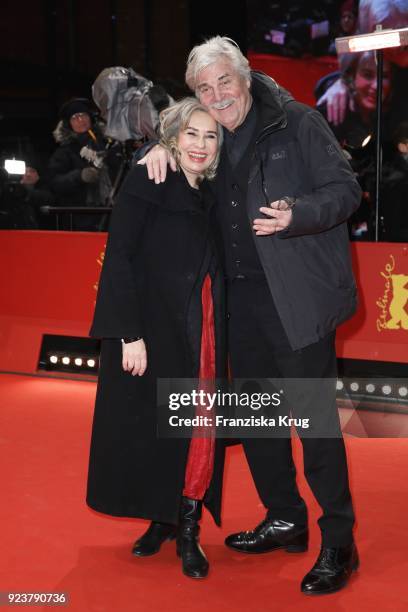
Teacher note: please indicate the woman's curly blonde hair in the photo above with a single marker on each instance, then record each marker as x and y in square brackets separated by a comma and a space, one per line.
[176, 118]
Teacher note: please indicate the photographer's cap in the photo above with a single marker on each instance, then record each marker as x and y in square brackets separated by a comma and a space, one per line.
[74, 106]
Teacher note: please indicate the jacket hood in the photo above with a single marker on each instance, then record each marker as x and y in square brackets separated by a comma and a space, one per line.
[64, 135]
[271, 99]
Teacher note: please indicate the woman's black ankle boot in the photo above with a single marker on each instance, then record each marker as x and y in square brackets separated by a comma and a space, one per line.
[150, 542]
[195, 564]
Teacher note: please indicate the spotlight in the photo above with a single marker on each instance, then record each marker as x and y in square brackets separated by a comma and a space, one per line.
[386, 389]
[403, 391]
[370, 388]
[66, 360]
[53, 359]
[354, 386]
[91, 363]
[339, 385]
[78, 361]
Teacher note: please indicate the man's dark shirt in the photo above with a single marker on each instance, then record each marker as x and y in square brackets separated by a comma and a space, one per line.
[238, 141]
[241, 256]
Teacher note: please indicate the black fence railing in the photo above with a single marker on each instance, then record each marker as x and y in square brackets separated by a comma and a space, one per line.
[73, 210]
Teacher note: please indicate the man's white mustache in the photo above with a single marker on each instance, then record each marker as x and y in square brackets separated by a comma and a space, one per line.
[223, 104]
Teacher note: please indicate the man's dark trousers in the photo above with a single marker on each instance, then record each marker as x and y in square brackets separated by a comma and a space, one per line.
[259, 348]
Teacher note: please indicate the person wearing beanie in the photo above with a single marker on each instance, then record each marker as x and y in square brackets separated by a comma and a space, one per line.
[77, 172]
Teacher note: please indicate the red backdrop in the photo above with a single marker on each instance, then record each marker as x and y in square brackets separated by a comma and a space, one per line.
[299, 76]
[48, 286]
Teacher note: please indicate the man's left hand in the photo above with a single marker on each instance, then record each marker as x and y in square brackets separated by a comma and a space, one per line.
[278, 219]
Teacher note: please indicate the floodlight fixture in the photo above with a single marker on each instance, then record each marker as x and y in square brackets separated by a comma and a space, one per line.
[380, 39]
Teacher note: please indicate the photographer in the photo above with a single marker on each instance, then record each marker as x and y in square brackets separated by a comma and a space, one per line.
[20, 198]
[81, 170]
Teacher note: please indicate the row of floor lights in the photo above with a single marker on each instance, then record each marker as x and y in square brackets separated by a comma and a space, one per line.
[370, 388]
[78, 361]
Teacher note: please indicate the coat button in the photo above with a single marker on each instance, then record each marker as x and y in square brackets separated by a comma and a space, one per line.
[234, 186]
[237, 262]
[234, 226]
[234, 203]
[234, 245]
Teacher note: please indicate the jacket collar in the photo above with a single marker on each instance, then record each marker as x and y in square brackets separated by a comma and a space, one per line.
[175, 194]
[270, 100]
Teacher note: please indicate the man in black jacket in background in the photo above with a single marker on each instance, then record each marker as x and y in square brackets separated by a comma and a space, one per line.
[284, 192]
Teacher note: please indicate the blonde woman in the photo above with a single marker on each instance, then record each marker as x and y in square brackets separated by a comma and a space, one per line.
[160, 268]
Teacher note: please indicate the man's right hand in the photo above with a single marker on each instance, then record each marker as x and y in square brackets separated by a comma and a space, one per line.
[156, 161]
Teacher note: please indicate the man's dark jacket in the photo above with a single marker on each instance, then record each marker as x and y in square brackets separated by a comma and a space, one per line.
[308, 265]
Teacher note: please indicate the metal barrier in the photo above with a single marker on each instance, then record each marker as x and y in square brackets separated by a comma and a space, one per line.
[71, 210]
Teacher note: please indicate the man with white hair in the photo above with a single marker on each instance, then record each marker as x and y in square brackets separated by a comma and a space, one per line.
[284, 192]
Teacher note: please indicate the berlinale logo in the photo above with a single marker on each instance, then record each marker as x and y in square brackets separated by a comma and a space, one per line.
[394, 299]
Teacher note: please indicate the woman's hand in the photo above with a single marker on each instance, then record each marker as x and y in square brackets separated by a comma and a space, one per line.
[336, 98]
[156, 161]
[134, 357]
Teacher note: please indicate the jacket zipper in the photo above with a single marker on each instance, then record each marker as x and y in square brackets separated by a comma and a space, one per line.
[266, 132]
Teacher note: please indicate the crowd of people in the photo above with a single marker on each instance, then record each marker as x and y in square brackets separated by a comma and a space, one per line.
[95, 149]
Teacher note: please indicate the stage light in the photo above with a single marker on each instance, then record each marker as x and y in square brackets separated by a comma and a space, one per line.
[91, 363]
[78, 361]
[66, 360]
[354, 386]
[403, 391]
[380, 39]
[386, 389]
[370, 388]
[339, 385]
[53, 359]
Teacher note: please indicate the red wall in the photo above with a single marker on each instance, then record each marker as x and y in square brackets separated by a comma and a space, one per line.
[48, 286]
[47, 282]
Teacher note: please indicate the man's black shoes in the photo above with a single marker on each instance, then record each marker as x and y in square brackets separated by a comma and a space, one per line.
[270, 535]
[151, 541]
[332, 570]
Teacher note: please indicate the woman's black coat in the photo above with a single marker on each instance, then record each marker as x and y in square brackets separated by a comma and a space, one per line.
[157, 253]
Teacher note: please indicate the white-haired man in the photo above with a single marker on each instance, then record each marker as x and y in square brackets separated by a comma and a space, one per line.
[284, 192]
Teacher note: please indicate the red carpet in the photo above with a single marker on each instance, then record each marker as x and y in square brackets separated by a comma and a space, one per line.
[52, 542]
